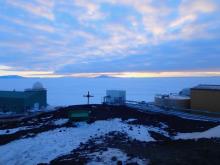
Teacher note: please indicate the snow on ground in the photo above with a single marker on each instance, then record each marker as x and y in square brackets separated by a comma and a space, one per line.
[60, 121]
[130, 120]
[48, 145]
[213, 132]
[46, 118]
[13, 130]
[163, 125]
[111, 156]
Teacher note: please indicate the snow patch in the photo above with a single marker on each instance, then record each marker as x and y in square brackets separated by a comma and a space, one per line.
[14, 130]
[137, 132]
[48, 145]
[162, 125]
[60, 122]
[210, 133]
[130, 120]
[111, 156]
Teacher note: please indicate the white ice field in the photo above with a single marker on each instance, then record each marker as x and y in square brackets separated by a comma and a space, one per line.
[66, 91]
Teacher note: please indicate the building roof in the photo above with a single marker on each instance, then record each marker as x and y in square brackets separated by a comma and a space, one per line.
[13, 94]
[115, 91]
[206, 87]
[37, 86]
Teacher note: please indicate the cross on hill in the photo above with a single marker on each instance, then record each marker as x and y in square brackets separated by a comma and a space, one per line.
[88, 97]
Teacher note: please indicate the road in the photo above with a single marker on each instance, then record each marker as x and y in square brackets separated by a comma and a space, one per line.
[149, 107]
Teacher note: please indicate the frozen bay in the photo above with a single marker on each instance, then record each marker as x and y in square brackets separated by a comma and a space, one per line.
[68, 91]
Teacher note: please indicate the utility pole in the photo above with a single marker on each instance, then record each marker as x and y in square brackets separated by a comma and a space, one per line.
[88, 97]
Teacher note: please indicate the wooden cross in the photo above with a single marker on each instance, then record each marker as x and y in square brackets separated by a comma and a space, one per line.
[88, 97]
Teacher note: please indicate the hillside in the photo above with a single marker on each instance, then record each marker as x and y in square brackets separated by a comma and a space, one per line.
[113, 135]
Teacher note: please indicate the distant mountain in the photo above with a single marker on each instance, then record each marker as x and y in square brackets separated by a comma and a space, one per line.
[11, 76]
[104, 76]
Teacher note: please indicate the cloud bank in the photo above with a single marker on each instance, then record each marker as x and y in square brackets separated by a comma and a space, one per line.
[73, 37]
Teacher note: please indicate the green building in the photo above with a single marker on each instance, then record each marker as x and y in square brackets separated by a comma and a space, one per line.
[79, 115]
[20, 102]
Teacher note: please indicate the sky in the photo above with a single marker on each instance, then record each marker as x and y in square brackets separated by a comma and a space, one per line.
[121, 38]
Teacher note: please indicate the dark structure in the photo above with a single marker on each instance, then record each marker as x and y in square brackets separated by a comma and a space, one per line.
[88, 97]
[20, 102]
[206, 97]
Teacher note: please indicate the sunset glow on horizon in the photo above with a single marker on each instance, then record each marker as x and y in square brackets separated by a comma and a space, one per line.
[51, 74]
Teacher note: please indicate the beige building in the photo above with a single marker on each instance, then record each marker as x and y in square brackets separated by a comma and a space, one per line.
[206, 97]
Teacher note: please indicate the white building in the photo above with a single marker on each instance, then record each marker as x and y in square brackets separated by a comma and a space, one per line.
[115, 97]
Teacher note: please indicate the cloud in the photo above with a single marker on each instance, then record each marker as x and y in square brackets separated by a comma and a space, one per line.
[183, 20]
[152, 15]
[4, 67]
[147, 74]
[91, 10]
[29, 73]
[41, 8]
[188, 7]
[189, 11]
[41, 27]
[61, 35]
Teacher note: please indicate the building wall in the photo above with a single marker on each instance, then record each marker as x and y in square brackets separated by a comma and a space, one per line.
[208, 100]
[36, 96]
[16, 105]
[115, 97]
[172, 103]
[20, 102]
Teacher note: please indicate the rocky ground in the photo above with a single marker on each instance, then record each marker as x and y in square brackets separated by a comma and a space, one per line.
[202, 151]
[117, 147]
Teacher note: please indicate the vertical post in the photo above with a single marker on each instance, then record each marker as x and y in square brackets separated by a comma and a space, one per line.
[88, 96]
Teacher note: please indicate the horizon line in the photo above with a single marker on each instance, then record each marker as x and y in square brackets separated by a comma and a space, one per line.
[50, 74]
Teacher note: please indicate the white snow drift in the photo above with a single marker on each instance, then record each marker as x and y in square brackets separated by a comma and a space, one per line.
[106, 158]
[48, 145]
[211, 133]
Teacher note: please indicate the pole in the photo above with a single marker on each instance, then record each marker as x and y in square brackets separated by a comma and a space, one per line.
[88, 98]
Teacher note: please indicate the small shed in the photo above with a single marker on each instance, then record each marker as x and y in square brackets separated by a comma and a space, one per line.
[79, 115]
[115, 97]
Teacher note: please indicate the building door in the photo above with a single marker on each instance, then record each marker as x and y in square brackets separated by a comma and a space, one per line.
[36, 106]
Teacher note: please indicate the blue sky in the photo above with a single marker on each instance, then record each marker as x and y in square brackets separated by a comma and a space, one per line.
[50, 38]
